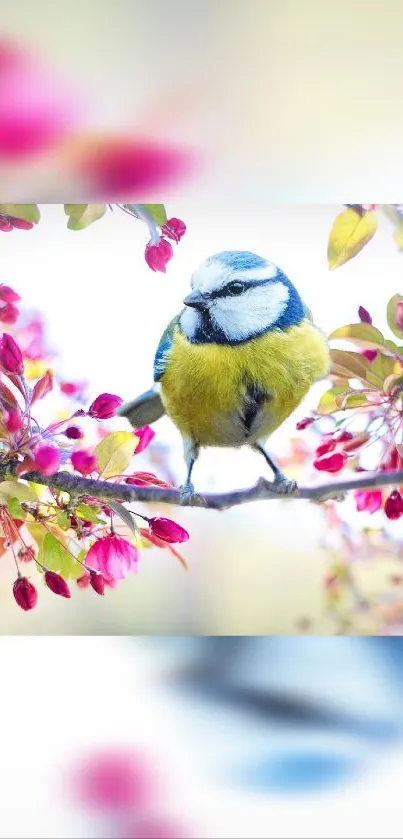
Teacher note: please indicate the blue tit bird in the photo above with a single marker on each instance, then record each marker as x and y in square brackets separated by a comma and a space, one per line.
[235, 362]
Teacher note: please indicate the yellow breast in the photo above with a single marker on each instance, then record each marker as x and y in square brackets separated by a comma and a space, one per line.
[205, 385]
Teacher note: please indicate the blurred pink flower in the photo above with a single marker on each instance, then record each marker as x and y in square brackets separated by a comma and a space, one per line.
[174, 228]
[83, 461]
[369, 500]
[36, 111]
[10, 355]
[9, 313]
[113, 556]
[8, 295]
[114, 780]
[47, 459]
[13, 420]
[145, 436]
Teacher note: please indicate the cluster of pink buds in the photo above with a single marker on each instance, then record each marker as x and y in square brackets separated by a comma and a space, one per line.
[335, 448]
[9, 312]
[158, 254]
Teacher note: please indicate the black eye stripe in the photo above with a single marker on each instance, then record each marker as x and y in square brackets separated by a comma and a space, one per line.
[247, 284]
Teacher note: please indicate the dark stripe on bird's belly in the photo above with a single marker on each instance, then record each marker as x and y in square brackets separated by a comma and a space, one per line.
[253, 405]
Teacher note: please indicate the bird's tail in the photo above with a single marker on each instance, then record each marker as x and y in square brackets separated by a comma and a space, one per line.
[144, 410]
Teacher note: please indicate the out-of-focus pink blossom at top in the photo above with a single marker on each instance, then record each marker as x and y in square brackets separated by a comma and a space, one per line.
[37, 110]
[114, 780]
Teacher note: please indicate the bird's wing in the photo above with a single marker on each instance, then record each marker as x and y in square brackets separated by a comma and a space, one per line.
[144, 410]
[148, 407]
[164, 346]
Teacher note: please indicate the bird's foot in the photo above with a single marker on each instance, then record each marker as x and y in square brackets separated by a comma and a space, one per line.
[283, 485]
[190, 498]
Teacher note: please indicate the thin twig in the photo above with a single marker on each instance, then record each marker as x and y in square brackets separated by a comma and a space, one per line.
[262, 491]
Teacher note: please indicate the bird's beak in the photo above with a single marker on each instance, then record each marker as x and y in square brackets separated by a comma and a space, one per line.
[196, 300]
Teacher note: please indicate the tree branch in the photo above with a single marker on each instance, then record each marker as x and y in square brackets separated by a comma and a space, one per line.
[262, 491]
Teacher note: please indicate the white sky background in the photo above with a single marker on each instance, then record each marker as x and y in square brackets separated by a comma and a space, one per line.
[105, 309]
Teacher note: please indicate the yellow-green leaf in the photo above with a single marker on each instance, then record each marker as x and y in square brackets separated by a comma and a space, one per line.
[28, 212]
[115, 452]
[393, 314]
[63, 520]
[327, 403]
[156, 211]
[351, 400]
[349, 234]
[15, 509]
[82, 215]
[391, 382]
[55, 556]
[362, 334]
[15, 489]
[37, 531]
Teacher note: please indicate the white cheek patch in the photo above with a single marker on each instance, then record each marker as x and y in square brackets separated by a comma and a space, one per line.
[189, 321]
[252, 312]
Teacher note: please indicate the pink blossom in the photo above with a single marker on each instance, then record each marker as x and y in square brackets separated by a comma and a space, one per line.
[370, 355]
[83, 461]
[10, 355]
[158, 255]
[97, 582]
[145, 436]
[399, 314]
[105, 406]
[168, 530]
[73, 432]
[47, 459]
[364, 316]
[9, 313]
[115, 780]
[369, 500]
[113, 556]
[25, 594]
[304, 423]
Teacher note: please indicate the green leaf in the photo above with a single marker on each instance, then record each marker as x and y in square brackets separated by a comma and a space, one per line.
[115, 452]
[125, 515]
[362, 334]
[88, 513]
[54, 556]
[327, 403]
[15, 509]
[37, 531]
[157, 212]
[82, 215]
[15, 489]
[63, 520]
[391, 312]
[28, 212]
[349, 234]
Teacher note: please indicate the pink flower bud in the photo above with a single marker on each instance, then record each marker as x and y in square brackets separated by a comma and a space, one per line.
[105, 406]
[5, 225]
[141, 479]
[20, 223]
[331, 462]
[399, 314]
[364, 316]
[370, 355]
[368, 500]
[10, 355]
[13, 420]
[304, 423]
[145, 436]
[73, 432]
[43, 386]
[69, 388]
[174, 229]
[84, 581]
[97, 582]
[157, 256]
[168, 530]
[57, 584]
[25, 594]
[83, 462]
[394, 505]
[328, 444]
[47, 459]
[8, 295]
[9, 313]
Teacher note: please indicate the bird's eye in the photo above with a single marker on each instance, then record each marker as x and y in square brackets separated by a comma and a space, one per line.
[235, 288]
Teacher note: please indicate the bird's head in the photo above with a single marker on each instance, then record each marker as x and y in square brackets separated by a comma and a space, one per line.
[237, 295]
